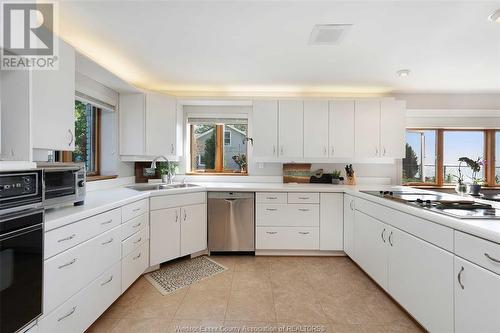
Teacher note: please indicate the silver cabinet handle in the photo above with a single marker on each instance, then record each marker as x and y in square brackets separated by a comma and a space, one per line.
[390, 238]
[274, 150]
[106, 222]
[185, 215]
[176, 216]
[333, 151]
[72, 138]
[138, 241]
[271, 232]
[491, 258]
[303, 198]
[271, 209]
[350, 204]
[460, 278]
[383, 235]
[68, 264]
[281, 150]
[67, 238]
[107, 281]
[136, 209]
[136, 257]
[303, 209]
[376, 151]
[325, 151]
[384, 151]
[304, 232]
[137, 225]
[107, 242]
[271, 198]
[68, 314]
[171, 148]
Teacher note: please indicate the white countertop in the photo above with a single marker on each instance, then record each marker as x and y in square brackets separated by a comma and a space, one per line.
[99, 201]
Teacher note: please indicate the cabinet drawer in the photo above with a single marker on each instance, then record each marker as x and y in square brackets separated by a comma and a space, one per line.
[81, 310]
[271, 198]
[178, 200]
[301, 198]
[68, 272]
[135, 209]
[135, 241]
[481, 252]
[291, 215]
[136, 224]
[287, 238]
[61, 239]
[134, 265]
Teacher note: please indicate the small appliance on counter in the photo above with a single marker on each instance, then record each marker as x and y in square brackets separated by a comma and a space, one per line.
[442, 203]
[64, 183]
[21, 248]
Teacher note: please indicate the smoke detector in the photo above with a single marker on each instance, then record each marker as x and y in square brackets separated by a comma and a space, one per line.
[328, 34]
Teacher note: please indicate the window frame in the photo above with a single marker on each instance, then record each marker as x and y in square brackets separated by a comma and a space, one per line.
[488, 156]
[219, 154]
[230, 137]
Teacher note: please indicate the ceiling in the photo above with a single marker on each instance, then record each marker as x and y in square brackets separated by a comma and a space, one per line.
[259, 47]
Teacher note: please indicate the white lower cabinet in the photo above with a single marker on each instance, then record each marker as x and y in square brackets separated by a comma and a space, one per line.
[331, 224]
[287, 238]
[177, 231]
[349, 225]
[370, 248]
[134, 264]
[80, 311]
[477, 301]
[420, 278]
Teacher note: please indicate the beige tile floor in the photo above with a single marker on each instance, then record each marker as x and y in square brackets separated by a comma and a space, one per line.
[330, 293]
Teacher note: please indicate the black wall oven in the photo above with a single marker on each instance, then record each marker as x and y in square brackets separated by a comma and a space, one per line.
[21, 249]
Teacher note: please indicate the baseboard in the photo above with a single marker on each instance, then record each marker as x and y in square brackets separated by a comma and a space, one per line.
[311, 253]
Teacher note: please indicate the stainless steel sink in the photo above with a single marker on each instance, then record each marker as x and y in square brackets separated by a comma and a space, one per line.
[156, 187]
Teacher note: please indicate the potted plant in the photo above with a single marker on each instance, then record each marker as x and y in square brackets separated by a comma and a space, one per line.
[475, 166]
[167, 171]
[336, 177]
[241, 160]
[461, 187]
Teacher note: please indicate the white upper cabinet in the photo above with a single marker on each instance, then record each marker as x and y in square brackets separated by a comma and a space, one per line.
[161, 125]
[53, 103]
[291, 130]
[341, 129]
[132, 125]
[148, 125]
[265, 130]
[392, 128]
[367, 124]
[316, 129]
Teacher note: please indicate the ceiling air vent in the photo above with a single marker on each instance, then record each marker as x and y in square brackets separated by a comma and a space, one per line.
[328, 34]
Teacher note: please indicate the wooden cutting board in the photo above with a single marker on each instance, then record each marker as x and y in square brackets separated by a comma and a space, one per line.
[296, 172]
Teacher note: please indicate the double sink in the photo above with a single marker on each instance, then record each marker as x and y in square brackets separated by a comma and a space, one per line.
[161, 186]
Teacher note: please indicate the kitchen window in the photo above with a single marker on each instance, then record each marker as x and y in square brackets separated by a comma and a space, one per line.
[218, 145]
[87, 138]
[432, 156]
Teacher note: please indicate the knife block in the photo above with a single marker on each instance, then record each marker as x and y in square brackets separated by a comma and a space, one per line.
[350, 180]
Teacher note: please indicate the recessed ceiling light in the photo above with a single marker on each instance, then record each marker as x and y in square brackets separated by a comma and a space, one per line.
[403, 73]
[495, 17]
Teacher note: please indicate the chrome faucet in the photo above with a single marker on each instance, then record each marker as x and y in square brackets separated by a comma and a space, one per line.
[153, 163]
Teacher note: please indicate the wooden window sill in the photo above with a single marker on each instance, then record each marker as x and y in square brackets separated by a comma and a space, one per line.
[96, 178]
[217, 173]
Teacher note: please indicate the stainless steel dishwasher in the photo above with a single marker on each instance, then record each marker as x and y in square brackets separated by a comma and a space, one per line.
[231, 222]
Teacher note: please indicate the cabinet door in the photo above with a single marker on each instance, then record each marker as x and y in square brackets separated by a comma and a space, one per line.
[165, 230]
[291, 130]
[132, 126]
[477, 304]
[265, 130]
[420, 278]
[392, 128]
[53, 103]
[161, 125]
[193, 229]
[349, 225]
[331, 222]
[370, 249]
[316, 129]
[341, 129]
[367, 129]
